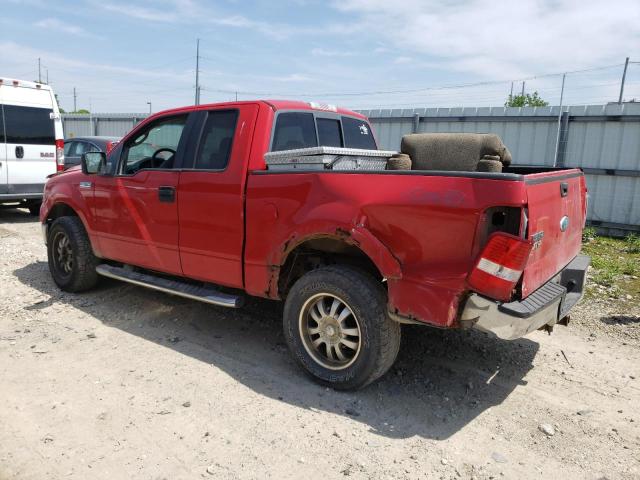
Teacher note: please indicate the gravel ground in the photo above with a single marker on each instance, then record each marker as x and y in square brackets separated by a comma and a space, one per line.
[124, 382]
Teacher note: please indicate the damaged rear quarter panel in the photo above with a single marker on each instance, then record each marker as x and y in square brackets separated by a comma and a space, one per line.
[417, 229]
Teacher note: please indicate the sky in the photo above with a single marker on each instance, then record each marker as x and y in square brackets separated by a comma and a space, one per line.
[121, 54]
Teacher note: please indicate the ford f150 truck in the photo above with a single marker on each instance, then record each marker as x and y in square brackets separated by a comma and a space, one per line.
[185, 204]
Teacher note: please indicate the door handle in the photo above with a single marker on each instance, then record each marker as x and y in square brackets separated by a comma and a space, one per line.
[167, 194]
[19, 152]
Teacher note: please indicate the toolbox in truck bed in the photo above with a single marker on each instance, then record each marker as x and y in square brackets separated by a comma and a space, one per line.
[327, 158]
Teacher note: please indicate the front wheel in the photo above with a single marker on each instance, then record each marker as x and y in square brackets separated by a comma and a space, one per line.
[337, 327]
[71, 260]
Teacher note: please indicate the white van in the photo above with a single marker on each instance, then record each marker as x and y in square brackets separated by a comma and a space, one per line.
[31, 141]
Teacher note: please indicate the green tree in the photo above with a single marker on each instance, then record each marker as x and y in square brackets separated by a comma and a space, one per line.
[526, 100]
[84, 111]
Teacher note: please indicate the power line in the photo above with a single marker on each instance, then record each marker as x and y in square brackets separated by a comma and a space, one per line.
[414, 90]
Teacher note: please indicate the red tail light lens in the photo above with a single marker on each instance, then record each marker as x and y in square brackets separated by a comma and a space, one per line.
[500, 266]
[59, 155]
[109, 147]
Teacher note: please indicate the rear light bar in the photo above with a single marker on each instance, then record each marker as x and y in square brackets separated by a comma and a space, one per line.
[59, 155]
[500, 266]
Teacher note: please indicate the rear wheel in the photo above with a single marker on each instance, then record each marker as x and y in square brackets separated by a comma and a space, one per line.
[336, 325]
[71, 260]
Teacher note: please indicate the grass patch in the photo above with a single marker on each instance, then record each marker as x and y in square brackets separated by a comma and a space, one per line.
[615, 265]
[633, 244]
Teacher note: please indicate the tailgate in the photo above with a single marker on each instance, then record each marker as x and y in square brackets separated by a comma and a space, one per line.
[556, 210]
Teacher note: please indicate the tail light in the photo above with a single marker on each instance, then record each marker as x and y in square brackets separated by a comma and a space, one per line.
[500, 266]
[59, 155]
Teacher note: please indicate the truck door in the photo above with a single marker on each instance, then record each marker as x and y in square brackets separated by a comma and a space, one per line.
[136, 208]
[211, 194]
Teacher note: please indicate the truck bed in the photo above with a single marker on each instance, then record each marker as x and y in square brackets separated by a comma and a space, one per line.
[427, 219]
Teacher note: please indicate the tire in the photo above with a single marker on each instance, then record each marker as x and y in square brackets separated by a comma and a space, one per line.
[34, 209]
[366, 325]
[71, 260]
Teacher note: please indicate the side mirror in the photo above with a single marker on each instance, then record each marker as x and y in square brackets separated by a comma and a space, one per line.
[93, 162]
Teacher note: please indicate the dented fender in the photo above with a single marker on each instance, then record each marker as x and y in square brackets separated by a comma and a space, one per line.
[357, 235]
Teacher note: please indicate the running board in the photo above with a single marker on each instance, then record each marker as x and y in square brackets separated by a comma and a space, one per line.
[174, 287]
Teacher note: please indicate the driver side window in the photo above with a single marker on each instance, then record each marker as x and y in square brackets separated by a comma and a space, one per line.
[154, 147]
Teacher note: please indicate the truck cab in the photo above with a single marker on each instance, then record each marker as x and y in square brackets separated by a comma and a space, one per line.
[186, 204]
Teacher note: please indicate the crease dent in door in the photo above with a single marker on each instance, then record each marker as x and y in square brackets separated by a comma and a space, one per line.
[142, 228]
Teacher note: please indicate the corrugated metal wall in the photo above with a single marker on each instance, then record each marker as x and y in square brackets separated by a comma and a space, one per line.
[101, 124]
[604, 140]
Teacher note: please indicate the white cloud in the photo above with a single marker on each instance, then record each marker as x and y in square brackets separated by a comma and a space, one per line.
[140, 13]
[504, 39]
[168, 11]
[108, 87]
[189, 12]
[402, 60]
[321, 52]
[56, 25]
[294, 77]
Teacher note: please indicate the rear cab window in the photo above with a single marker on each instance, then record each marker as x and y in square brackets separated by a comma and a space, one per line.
[329, 132]
[357, 134]
[295, 130]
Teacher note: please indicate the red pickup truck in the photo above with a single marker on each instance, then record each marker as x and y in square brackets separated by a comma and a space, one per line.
[185, 204]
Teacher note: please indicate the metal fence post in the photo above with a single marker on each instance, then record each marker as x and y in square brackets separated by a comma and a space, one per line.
[563, 136]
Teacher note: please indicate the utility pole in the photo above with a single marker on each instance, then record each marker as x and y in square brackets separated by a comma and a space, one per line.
[511, 93]
[198, 71]
[47, 76]
[555, 157]
[74, 100]
[149, 103]
[624, 76]
[522, 93]
[39, 72]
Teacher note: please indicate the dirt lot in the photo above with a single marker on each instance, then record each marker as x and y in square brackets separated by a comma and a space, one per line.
[124, 382]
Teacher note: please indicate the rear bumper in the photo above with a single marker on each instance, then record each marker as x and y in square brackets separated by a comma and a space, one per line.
[545, 306]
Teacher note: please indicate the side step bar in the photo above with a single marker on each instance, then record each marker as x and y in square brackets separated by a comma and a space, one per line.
[174, 287]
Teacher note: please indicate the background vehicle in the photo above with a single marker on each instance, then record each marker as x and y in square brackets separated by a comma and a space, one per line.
[75, 147]
[31, 145]
[185, 204]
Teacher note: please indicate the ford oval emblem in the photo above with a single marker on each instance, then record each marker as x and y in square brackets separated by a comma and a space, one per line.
[564, 223]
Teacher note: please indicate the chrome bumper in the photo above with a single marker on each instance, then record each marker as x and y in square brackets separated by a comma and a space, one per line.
[545, 306]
